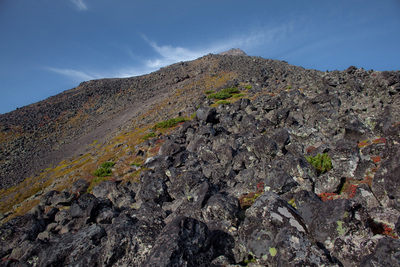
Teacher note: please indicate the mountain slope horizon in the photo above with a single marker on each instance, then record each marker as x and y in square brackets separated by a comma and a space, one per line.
[224, 160]
[62, 117]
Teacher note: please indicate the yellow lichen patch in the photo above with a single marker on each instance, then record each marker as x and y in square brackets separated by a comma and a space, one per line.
[19, 193]
[23, 209]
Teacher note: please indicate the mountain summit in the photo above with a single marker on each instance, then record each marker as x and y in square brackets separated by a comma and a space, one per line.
[225, 160]
[234, 52]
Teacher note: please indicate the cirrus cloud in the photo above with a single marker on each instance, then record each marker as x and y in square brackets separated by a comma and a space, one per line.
[80, 4]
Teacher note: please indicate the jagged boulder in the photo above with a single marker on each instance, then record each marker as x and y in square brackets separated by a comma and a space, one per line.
[206, 114]
[120, 196]
[152, 189]
[182, 242]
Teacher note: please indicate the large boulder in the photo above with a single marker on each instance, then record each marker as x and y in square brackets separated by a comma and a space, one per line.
[80, 248]
[385, 184]
[340, 225]
[183, 242]
[275, 234]
[386, 253]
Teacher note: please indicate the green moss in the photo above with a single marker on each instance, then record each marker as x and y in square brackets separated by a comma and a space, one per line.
[248, 87]
[209, 92]
[322, 163]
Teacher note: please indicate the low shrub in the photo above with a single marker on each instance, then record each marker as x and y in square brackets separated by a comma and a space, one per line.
[232, 90]
[170, 123]
[322, 163]
[223, 102]
[137, 164]
[104, 170]
[224, 93]
[209, 92]
[248, 87]
[238, 95]
[219, 96]
[149, 135]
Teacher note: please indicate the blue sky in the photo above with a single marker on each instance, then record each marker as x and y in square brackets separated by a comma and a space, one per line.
[48, 46]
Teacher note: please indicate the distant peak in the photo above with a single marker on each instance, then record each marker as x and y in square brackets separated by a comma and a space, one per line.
[234, 52]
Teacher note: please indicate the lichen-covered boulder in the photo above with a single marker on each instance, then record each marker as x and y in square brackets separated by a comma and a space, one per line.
[386, 253]
[340, 225]
[275, 234]
[385, 184]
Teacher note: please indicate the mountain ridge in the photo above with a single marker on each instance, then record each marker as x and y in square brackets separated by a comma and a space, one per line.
[214, 162]
[65, 106]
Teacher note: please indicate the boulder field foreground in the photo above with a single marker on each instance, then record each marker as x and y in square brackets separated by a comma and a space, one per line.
[230, 160]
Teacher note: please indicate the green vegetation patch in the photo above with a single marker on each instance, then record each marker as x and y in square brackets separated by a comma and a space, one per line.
[104, 170]
[149, 135]
[170, 123]
[223, 102]
[224, 94]
[231, 91]
[137, 164]
[219, 96]
[238, 95]
[322, 163]
[209, 92]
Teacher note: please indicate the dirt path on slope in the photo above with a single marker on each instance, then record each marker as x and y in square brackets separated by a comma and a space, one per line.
[105, 130]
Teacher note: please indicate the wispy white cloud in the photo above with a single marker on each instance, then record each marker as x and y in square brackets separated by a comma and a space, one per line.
[262, 39]
[76, 75]
[80, 4]
[168, 54]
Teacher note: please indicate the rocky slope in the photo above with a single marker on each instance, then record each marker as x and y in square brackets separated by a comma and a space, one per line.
[231, 186]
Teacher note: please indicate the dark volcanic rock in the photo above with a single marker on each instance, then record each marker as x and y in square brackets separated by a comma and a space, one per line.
[183, 242]
[77, 249]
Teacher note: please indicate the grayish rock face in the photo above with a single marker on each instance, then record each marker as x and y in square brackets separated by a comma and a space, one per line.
[234, 186]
